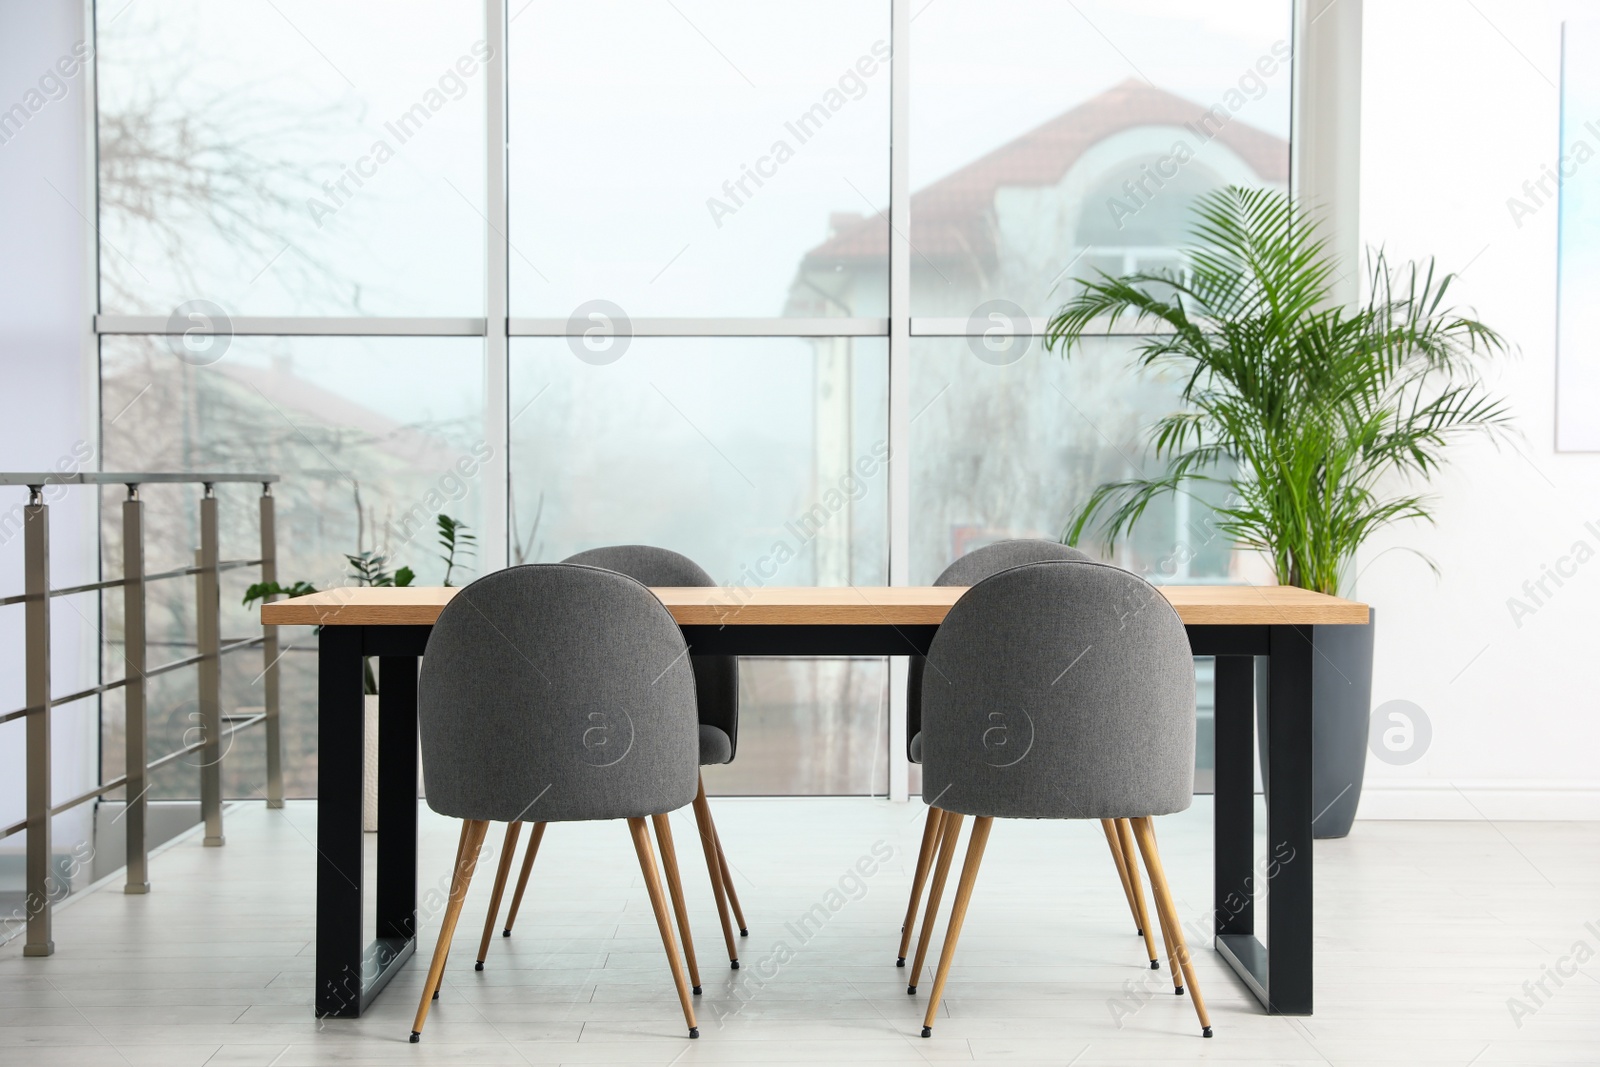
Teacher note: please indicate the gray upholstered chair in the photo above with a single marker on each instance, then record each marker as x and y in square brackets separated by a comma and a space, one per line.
[1060, 690]
[716, 681]
[558, 693]
[971, 569]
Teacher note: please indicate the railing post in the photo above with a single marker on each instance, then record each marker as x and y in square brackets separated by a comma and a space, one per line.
[208, 629]
[269, 652]
[36, 585]
[135, 732]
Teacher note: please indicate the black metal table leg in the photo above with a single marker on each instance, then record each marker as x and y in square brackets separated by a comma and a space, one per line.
[1289, 819]
[350, 972]
[1233, 799]
[1279, 972]
[397, 799]
[340, 730]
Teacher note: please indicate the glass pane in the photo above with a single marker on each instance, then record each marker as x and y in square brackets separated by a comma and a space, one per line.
[1205, 725]
[687, 167]
[292, 158]
[809, 727]
[761, 459]
[1049, 140]
[1012, 450]
[372, 437]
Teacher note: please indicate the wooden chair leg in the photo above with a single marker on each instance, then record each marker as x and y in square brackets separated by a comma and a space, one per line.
[1146, 835]
[513, 830]
[1172, 956]
[708, 837]
[652, 883]
[1166, 938]
[958, 915]
[930, 839]
[1130, 859]
[1110, 828]
[461, 843]
[472, 834]
[727, 879]
[1125, 835]
[949, 831]
[669, 860]
[534, 837]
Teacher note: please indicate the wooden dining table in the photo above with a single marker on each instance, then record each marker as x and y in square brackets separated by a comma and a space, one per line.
[1234, 623]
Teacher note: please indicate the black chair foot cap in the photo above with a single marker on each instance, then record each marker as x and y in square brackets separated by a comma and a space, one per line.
[900, 961]
[478, 966]
[1154, 966]
[697, 991]
[694, 1032]
[911, 990]
[1139, 932]
[743, 932]
[506, 932]
[1177, 991]
[1206, 1032]
[435, 994]
[734, 964]
[927, 1031]
[416, 1035]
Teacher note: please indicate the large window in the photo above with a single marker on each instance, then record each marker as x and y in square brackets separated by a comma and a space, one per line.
[635, 263]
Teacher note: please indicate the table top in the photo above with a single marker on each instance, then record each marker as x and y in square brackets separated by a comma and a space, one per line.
[1197, 605]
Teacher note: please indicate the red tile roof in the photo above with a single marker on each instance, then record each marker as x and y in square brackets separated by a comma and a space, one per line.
[950, 219]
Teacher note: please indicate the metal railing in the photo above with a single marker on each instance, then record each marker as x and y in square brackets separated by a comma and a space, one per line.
[211, 648]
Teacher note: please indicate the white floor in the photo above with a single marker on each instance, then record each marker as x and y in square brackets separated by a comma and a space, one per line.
[1425, 931]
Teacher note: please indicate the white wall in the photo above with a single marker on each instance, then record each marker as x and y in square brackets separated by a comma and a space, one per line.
[48, 387]
[1459, 108]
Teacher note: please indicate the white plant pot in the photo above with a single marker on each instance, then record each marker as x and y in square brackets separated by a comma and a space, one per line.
[369, 769]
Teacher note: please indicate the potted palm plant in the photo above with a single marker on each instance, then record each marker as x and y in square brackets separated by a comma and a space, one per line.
[1320, 423]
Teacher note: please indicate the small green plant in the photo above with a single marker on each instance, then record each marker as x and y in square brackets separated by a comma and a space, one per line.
[371, 569]
[454, 540]
[367, 568]
[1314, 416]
[262, 590]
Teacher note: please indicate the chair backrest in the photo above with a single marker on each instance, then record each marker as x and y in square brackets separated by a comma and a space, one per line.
[971, 569]
[716, 678]
[555, 693]
[1060, 690]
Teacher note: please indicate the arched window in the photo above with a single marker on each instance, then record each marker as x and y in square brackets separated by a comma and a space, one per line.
[1136, 219]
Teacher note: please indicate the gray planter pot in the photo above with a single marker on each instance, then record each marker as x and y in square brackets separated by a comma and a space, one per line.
[1341, 721]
